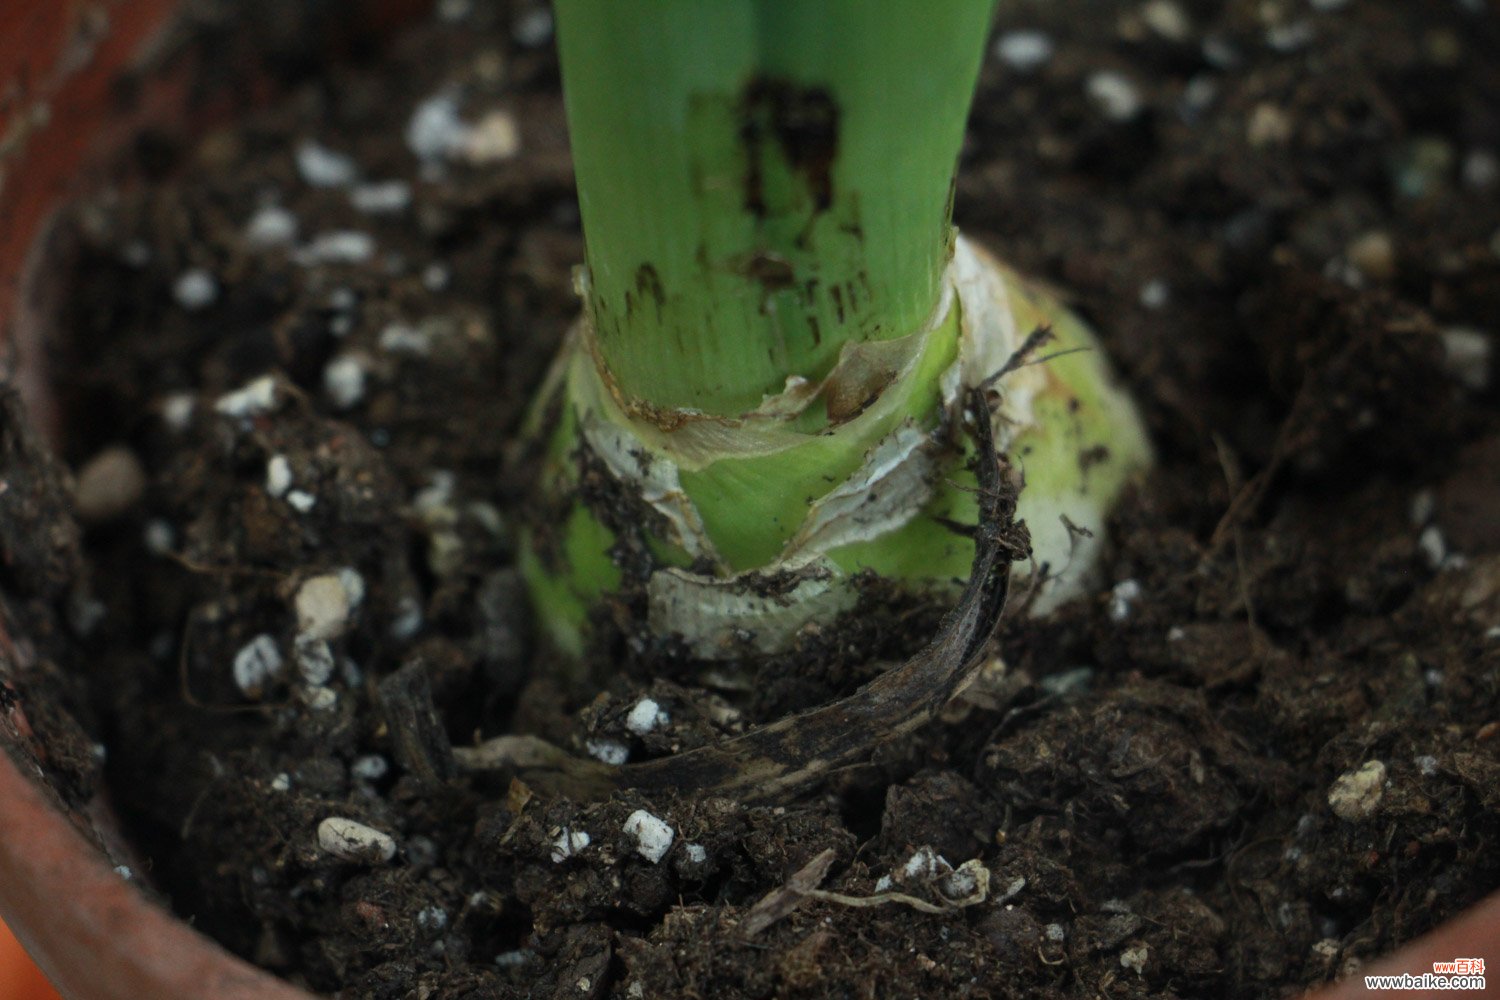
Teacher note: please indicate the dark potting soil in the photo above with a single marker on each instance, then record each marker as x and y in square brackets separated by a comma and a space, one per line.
[1266, 750]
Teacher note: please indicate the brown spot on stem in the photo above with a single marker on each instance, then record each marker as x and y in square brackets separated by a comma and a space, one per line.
[772, 271]
[648, 283]
[804, 121]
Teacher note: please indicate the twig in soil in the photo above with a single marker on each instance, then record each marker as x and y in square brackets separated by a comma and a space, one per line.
[207, 569]
[1247, 498]
[792, 755]
[1234, 479]
[780, 902]
[417, 736]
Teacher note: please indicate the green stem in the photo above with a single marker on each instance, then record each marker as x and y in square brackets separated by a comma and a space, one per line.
[761, 182]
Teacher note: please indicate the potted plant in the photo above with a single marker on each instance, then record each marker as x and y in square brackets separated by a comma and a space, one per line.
[725, 473]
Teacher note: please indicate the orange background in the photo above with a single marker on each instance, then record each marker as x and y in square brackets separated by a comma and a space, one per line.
[19, 979]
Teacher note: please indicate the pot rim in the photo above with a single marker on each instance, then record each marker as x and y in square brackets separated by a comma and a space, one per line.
[94, 934]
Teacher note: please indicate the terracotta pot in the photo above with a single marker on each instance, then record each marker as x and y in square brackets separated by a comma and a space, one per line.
[78, 78]
[96, 934]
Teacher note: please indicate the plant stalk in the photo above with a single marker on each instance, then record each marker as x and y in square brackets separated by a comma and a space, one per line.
[761, 182]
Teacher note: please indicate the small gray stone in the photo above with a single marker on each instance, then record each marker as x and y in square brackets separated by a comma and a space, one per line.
[350, 840]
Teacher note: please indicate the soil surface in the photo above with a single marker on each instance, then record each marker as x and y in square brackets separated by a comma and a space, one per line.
[1266, 750]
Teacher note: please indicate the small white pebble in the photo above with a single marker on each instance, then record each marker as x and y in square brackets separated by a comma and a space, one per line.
[408, 620]
[1167, 19]
[1200, 92]
[1024, 50]
[1114, 95]
[1481, 170]
[344, 380]
[432, 918]
[1432, 677]
[354, 585]
[1155, 293]
[315, 661]
[421, 852]
[339, 246]
[254, 397]
[512, 959]
[160, 537]
[1427, 765]
[1374, 253]
[322, 606]
[533, 28]
[1122, 600]
[696, 853]
[960, 884]
[343, 299]
[381, 197]
[1466, 355]
[369, 767]
[434, 501]
[1288, 38]
[256, 664]
[1134, 958]
[85, 614]
[1357, 793]
[435, 130]
[271, 226]
[653, 837]
[646, 716]
[301, 501]
[195, 289]
[1055, 932]
[400, 338]
[884, 884]
[611, 752]
[281, 783]
[350, 840]
[177, 411]
[1423, 506]
[1268, 125]
[924, 864]
[568, 843]
[278, 475]
[494, 138]
[322, 167]
[108, 485]
[435, 277]
[124, 872]
[320, 699]
[1220, 53]
[1434, 547]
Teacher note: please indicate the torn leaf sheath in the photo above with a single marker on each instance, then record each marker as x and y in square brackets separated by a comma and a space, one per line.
[795, 754]
[862, 470]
